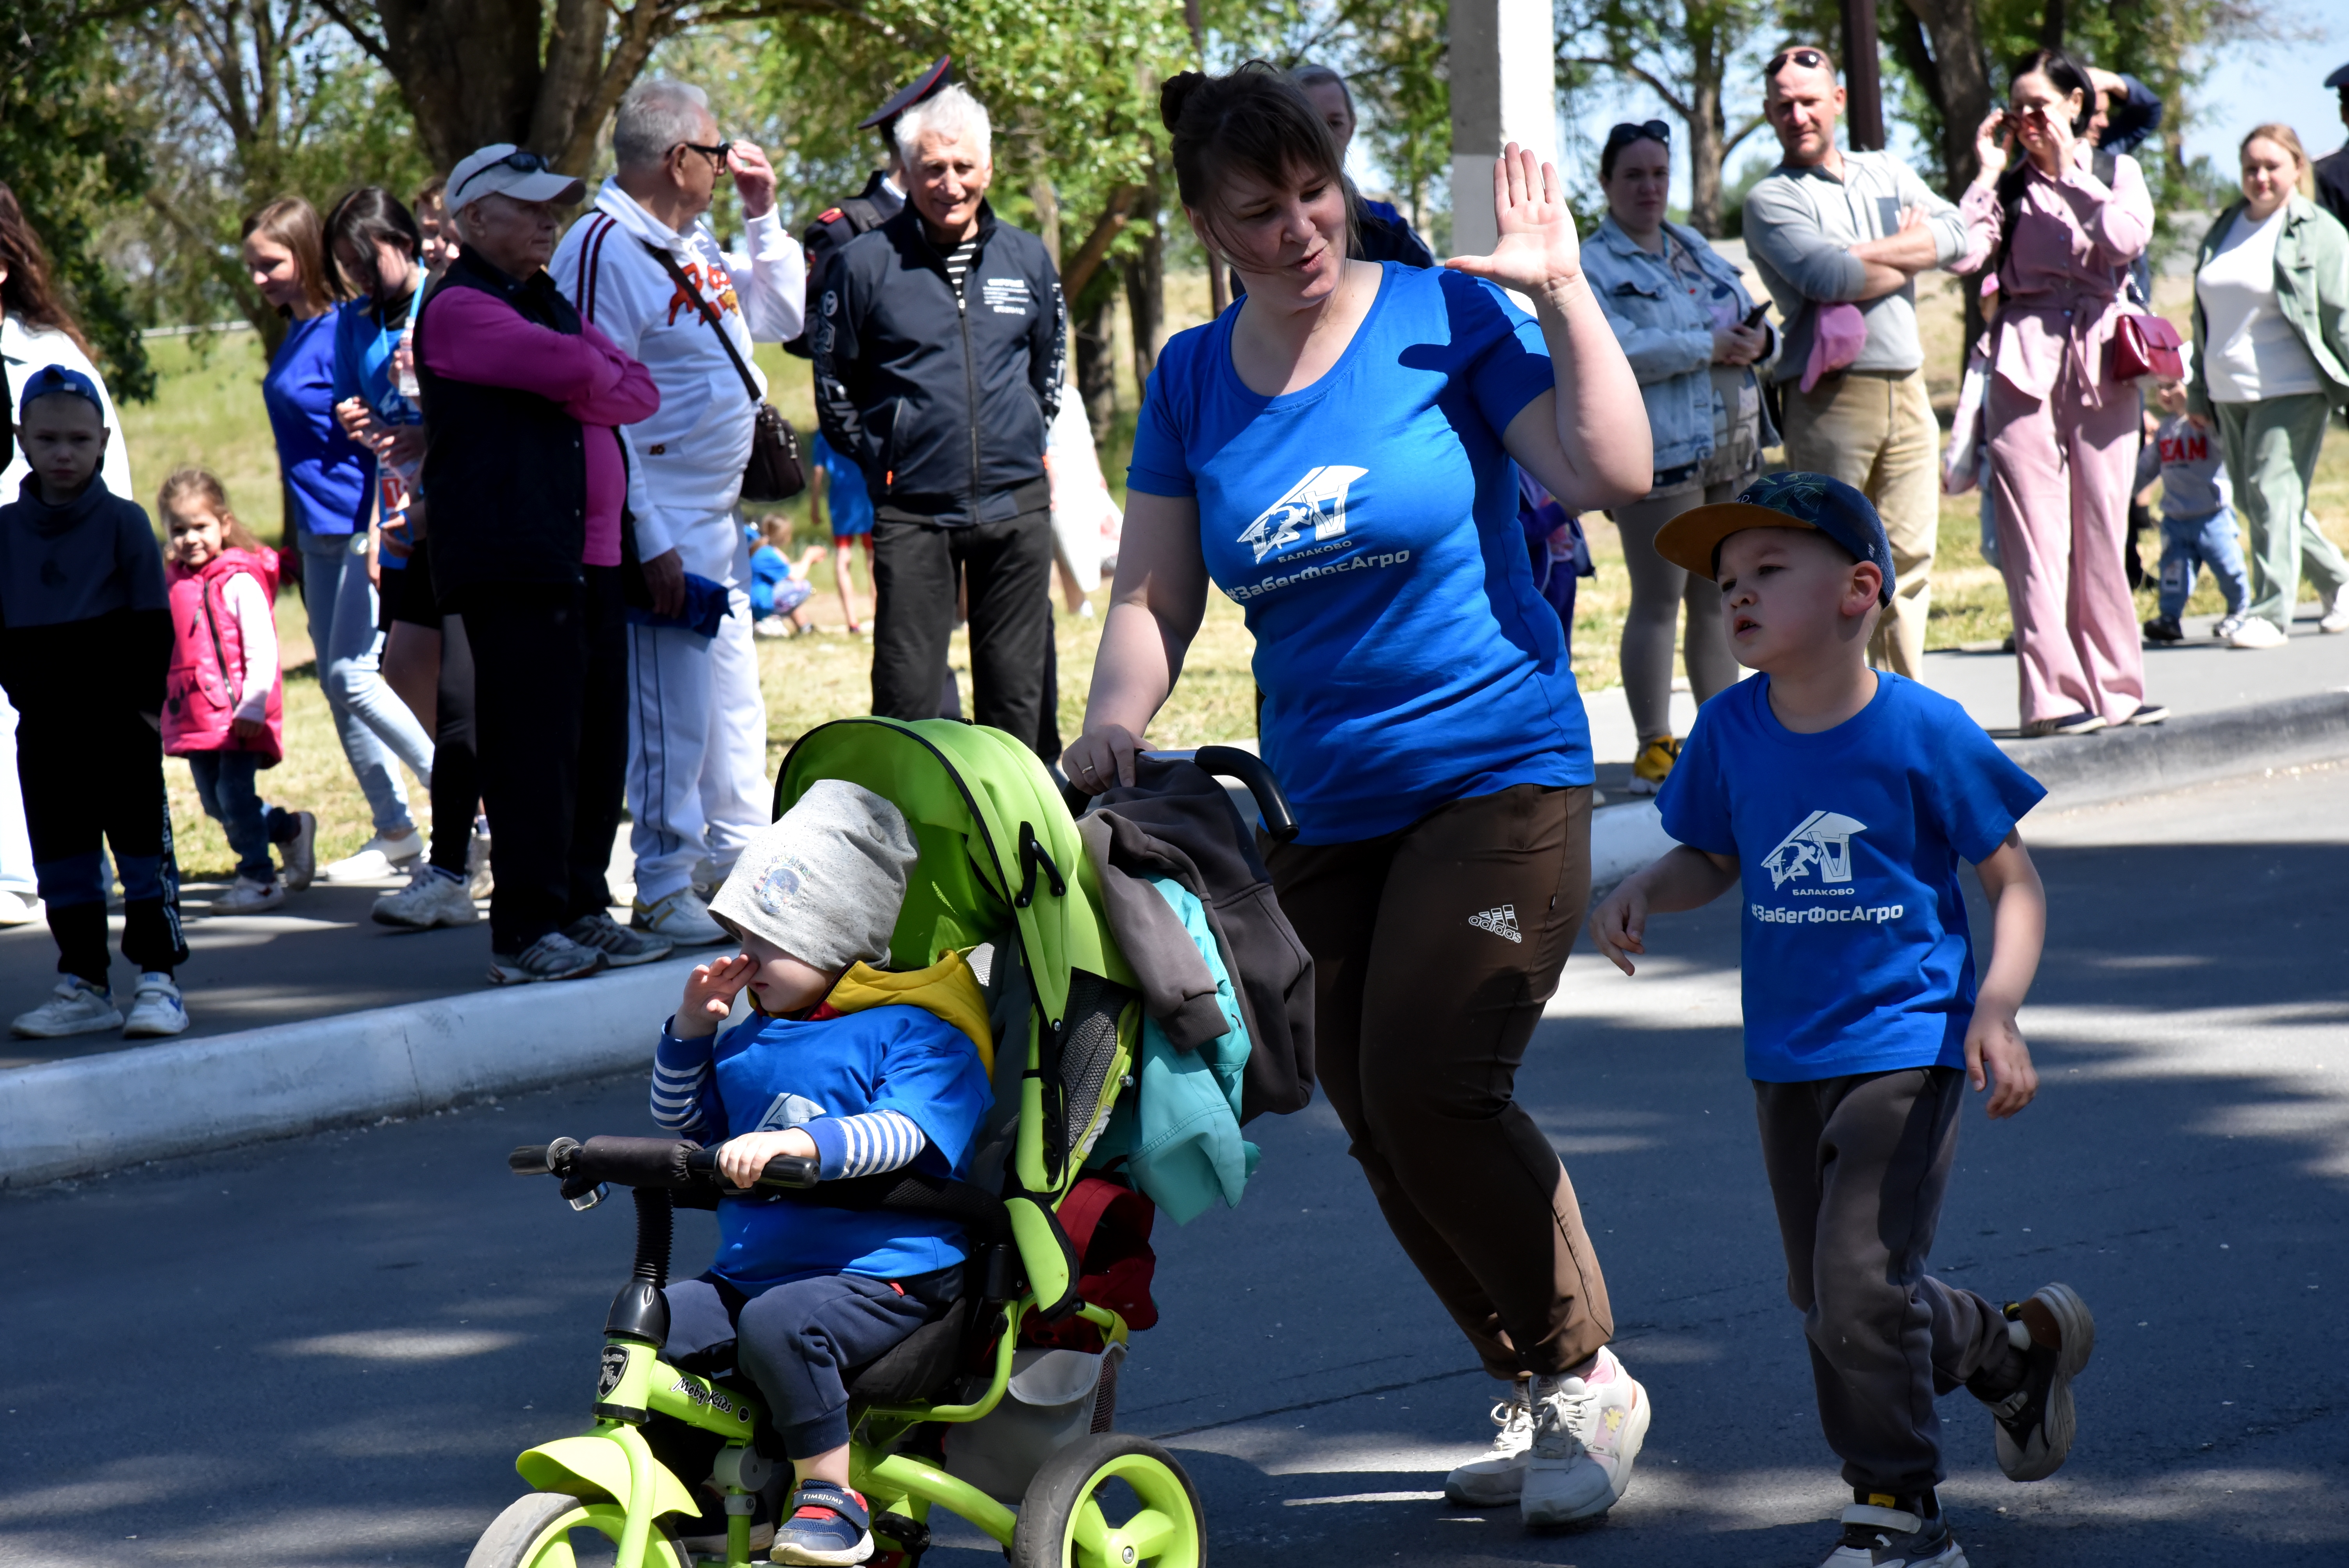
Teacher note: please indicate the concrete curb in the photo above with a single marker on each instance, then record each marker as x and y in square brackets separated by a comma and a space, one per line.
[2192, 748]
[90, 1114]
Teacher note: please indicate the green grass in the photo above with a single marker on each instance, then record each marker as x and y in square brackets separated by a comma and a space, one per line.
[209, 411]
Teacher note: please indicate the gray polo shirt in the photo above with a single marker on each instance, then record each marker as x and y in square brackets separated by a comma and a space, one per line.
[1800, 225]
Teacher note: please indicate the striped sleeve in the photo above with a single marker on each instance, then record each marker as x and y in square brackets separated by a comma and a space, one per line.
[685, 1088]
[864, 1145]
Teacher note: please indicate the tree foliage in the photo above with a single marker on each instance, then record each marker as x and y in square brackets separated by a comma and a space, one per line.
[68, 150]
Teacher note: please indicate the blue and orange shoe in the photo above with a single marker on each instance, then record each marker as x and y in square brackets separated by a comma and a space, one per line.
[830, 1525]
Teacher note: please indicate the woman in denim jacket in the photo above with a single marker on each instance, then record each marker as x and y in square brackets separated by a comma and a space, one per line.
[1679, 311]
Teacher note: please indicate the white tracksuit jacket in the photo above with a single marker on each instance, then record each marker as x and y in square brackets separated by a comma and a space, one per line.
[685, 463]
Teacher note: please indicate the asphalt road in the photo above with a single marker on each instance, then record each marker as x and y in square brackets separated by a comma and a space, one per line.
[327, 1351]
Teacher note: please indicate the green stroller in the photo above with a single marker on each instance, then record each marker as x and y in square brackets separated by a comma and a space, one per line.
[1001, 867]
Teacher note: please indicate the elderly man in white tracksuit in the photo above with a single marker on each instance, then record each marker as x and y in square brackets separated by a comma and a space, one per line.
[697, 724]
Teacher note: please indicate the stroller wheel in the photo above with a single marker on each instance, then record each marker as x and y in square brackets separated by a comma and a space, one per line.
[1110, 1501]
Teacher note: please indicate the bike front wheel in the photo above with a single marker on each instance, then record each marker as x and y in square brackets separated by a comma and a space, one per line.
[537, 1531]
[1068, 1519]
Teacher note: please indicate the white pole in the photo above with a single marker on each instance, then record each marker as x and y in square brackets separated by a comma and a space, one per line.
[1503, 89]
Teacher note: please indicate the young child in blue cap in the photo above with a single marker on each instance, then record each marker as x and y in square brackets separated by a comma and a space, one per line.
[84, 652]
[1844, 799]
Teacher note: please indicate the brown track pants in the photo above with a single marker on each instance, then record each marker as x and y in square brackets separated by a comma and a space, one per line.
[1433, 950]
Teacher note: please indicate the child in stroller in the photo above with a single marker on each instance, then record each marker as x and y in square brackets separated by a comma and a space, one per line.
[854, 1072]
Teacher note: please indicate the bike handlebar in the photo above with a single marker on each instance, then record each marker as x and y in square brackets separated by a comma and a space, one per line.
[671, 1162]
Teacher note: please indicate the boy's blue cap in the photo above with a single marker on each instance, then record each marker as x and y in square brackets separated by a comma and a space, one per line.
[55, 380]
[1693, 540]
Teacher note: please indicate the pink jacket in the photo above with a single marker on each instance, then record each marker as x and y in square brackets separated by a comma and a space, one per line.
[2059, 288]
[207, 674]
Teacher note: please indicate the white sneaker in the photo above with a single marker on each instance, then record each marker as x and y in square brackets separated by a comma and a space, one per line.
[1562, 1482]
[298, 856]
[772, 627]
[378, 857]
[2226, 627]
[1500, 1475]
[247, 896]
[75, 1008]
[2337, 620]
[1618, 1420]
[156, 1010]
[480, 881]
[2257, 632]
[18, 908]
[432, 898]
[681, 917]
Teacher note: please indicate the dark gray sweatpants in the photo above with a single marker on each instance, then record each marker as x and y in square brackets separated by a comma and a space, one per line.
[799, 1341]
[1858, 1168]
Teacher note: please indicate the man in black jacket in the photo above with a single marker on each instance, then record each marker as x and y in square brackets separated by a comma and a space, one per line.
[938, 343]
[881, 200]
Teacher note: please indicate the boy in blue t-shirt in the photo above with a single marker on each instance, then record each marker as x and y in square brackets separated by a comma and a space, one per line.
[1844, 799]
[860, 1070]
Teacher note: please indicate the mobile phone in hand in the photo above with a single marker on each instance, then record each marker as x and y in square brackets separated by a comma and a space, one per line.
[1754, 317]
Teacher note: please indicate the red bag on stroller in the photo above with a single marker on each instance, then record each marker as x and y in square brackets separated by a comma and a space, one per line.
[1109, 1226]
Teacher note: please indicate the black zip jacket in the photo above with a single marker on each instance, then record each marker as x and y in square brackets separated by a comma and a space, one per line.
[943, 401]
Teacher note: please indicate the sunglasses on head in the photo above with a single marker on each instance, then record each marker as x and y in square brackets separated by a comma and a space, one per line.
[1646, 130]
[524, 163]
[1809, 59]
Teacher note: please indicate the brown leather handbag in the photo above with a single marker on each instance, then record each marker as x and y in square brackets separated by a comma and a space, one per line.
[774, 471]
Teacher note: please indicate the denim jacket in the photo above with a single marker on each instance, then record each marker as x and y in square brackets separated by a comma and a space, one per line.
[1668, 336]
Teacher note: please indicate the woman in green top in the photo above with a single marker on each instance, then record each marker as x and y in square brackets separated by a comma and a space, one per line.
[2270, 360]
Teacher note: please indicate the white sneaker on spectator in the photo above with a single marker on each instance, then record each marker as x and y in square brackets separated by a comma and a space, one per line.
[247, 896]
[2226, 627]
[432, 898]
[479, 880]
[1618, 1424]
[18, 908]
[1563, 1482]
[553, 957]
[380, 857]
[2337, 620]
[1499, 1476]
[2257, 632]
[75, 1008]
[156, 1009]
[681, 917]
[298, 856]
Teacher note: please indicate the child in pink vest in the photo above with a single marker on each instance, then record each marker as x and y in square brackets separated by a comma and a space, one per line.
[224, 699]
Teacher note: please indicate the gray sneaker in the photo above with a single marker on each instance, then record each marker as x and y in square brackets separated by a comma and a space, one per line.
[620, 946]
[432, 898]
[299, 854]
[553, 957]
[76, 1007]
[479, 881]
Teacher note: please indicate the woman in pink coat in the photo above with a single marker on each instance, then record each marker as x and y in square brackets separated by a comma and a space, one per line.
[2061, 226]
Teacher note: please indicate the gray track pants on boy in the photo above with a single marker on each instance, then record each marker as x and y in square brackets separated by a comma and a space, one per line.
[1857, 1167]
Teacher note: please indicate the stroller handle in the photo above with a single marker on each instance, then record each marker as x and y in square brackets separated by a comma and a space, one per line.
[1250, 771]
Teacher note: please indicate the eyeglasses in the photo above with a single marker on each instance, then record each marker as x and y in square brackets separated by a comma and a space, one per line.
[1809, 59]
[524, 162]
[716, 153]
[1646, 130]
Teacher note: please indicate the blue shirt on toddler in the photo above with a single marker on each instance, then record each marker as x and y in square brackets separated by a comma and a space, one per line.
[1856, 954]
[872, 1087]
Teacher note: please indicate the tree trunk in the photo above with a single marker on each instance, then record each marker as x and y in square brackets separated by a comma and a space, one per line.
[1096, 364]
[1706, 131]
[1962, 79]
[1145, 288]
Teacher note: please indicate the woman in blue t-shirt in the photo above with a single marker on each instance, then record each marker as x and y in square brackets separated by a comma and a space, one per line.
[1335, 452]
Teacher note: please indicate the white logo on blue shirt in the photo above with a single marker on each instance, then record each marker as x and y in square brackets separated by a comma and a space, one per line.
[1318, 498]
[789, 1110]
[1821, 840]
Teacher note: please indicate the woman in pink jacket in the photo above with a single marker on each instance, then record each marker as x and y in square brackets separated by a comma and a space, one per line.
[2063, 431]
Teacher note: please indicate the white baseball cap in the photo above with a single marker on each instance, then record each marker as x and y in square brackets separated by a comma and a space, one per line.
[502, 168]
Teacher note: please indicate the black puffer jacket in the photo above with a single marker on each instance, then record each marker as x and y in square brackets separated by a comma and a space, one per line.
[942, 399]
[1176, 821]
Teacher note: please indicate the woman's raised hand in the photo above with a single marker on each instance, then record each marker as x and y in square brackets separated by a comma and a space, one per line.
[1538, 244]
[1995, 143]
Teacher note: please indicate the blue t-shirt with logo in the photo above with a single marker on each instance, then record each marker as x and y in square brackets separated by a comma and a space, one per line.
[1368, 526]
[775, 1073]
[1857, 957]
[850, 503]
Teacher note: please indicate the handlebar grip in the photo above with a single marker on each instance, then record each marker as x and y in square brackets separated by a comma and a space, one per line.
[1231, 762]
[792, 1171]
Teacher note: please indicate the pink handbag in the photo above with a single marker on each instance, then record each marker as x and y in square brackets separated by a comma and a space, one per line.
[2146, 345]
[1838, 334]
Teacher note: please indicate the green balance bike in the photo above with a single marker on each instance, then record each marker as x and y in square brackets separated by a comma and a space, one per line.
[1001, 866]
